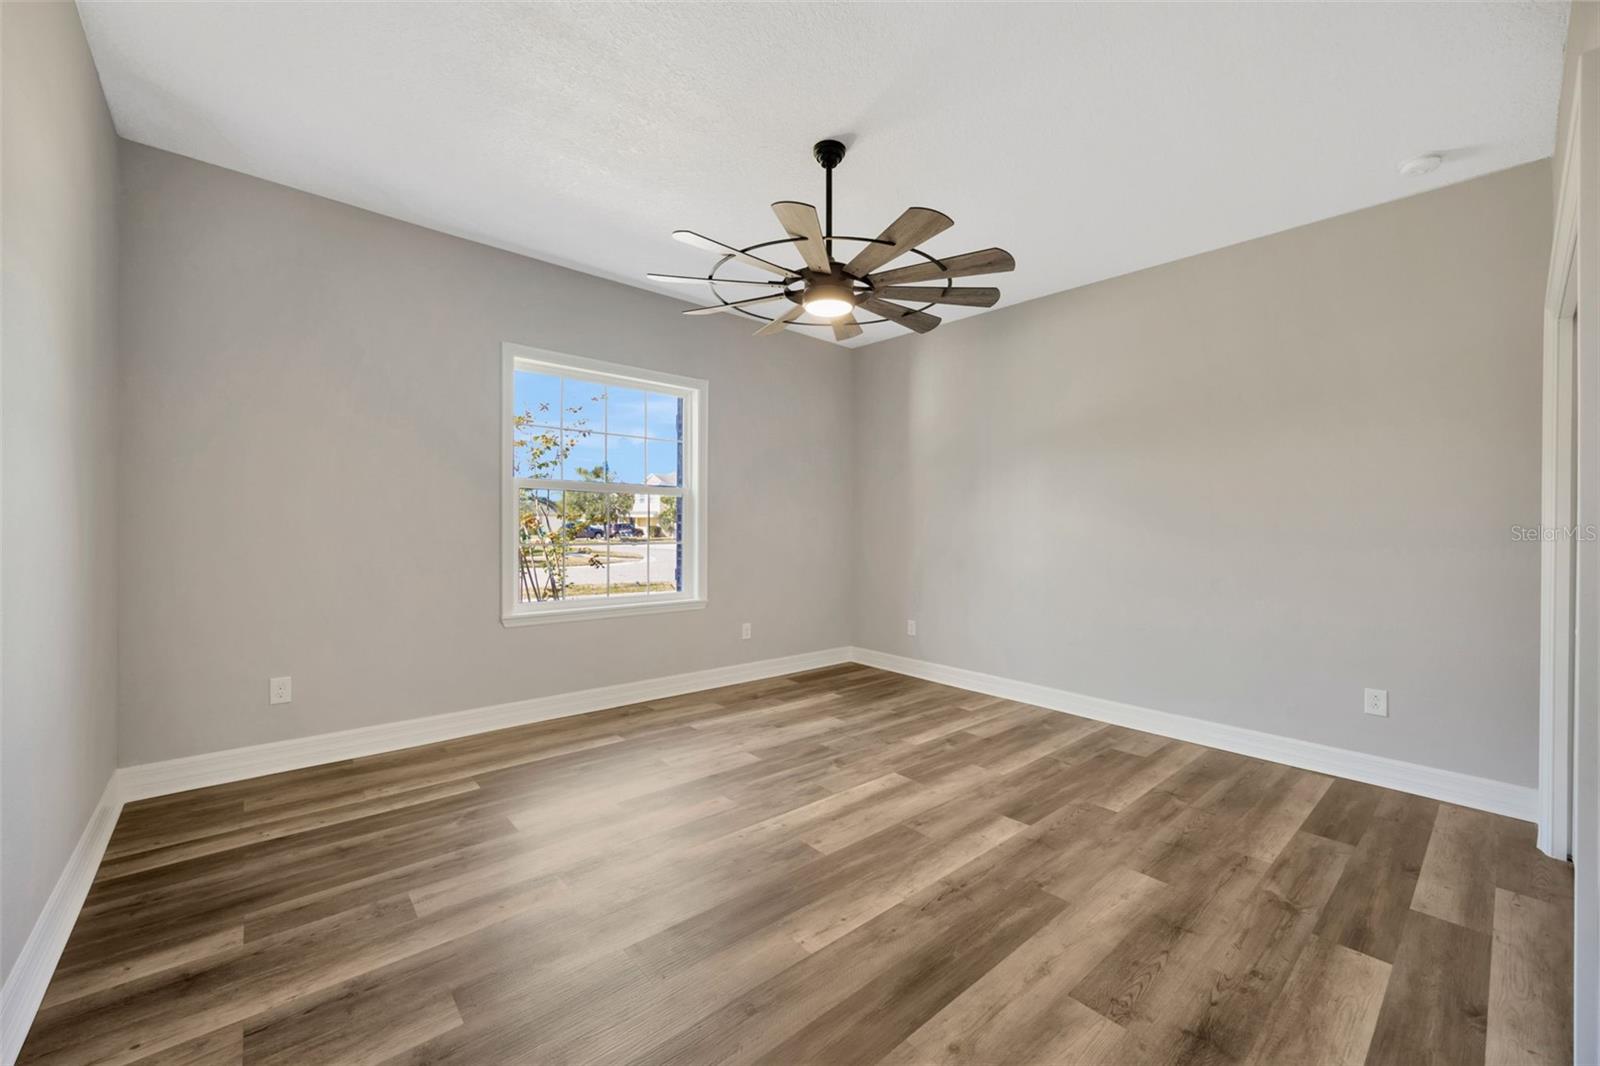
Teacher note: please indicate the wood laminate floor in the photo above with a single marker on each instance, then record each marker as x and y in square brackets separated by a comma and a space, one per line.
[843, 866]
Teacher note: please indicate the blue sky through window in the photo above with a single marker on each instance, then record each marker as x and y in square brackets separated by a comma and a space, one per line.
[583, 404]
[625, 457]
[616, 420]
[662, 415]
[540, 396]
[625, 411]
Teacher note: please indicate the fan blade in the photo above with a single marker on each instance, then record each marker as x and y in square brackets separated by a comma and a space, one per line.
[695, 240]
[800, 220]
[919, 321]
[904, 233]
[685, 279]
[714, 308]
[963, 297]
[779, 324]
[988, 261]
[846, 327]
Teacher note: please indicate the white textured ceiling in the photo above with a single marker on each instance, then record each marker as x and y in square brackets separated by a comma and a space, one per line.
[1090, 140]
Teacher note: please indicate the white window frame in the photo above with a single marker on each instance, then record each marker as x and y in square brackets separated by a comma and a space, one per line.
[691, 488]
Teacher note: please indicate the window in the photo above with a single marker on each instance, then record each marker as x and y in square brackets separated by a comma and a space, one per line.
[604, 506]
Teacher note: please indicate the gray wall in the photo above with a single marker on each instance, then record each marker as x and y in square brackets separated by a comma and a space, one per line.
[57, 656]
[310, 456]
[1243, 486]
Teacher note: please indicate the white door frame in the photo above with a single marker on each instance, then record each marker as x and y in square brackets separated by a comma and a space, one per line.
[1558, 516]
[1569, 620]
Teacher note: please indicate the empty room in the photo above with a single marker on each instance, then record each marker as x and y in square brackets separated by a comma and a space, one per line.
[617, 534]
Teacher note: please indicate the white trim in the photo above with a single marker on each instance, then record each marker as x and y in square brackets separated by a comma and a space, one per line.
[1497, 797]
[237, 764]
[1558, 510]
[26, 983]
[695, 394]
[1584, 761]
[25, 986]
[657, 604]
[30, 975]
[590, 486]
[609, 373]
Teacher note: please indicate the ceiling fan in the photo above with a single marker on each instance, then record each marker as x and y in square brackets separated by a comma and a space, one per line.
[833, 291]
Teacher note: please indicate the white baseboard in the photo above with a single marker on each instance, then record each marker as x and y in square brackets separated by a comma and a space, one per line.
[1497, 797]
[25, 984]
[237, 764]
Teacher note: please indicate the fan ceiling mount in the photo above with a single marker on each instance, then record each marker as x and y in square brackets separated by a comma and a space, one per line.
[832, 290]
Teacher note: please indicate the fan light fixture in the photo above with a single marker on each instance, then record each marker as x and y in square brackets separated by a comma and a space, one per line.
[832, 291]
[829, 299]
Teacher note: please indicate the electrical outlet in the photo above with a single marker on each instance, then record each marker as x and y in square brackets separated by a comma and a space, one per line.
[279, 690]
[744, 631]
[911, 627]
[1377, 702]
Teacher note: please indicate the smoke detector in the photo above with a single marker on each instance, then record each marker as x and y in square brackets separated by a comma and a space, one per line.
[1419, 165]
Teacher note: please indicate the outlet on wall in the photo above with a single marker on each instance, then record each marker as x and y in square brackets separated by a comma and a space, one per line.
[911, 627]
[279, 690]
[1377, 702]
[744, 631]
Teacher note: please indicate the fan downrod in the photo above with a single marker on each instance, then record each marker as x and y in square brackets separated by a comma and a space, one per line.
[829, 153]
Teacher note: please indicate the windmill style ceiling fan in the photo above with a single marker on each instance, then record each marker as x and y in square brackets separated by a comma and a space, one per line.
[833, 291]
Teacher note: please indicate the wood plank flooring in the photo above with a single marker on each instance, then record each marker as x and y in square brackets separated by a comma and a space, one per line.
[843, 866]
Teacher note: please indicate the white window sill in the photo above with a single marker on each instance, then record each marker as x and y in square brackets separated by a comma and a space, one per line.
[610, 610]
